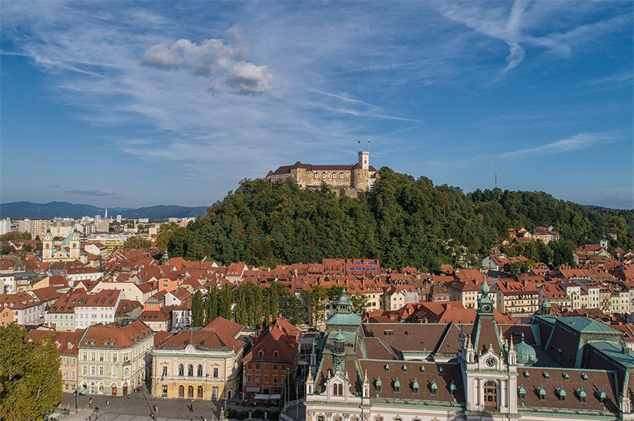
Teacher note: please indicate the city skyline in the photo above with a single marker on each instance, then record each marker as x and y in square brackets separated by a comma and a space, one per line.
[137, 104]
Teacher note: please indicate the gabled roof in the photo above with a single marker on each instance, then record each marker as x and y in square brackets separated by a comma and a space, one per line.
[224, 327]
[203, 340]
[116, 335]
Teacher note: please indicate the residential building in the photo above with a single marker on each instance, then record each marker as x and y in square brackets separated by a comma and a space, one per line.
[396, 296]
[272, 358]
[113, 358]
[61, 315]
[362, 267]
[97, 308]
[20, 307]
[67, 344]
[465, 292]
[518, 299]
[158, 320]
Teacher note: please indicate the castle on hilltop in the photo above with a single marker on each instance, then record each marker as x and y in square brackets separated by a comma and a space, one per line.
[347, 180]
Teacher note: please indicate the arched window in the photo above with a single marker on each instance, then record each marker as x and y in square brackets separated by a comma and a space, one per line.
[181, 391]
[190, 392]
[276, 354]
[190, 370]
[490, 394]
[200, 392]
[261, 353]
[181, 370]
[200, 370]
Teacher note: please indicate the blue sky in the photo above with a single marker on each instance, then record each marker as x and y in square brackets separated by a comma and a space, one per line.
[132, 104]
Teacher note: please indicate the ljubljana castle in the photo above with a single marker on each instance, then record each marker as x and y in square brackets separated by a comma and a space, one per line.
[347, 180]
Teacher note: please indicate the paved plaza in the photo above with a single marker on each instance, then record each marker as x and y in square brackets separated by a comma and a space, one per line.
[138, 407]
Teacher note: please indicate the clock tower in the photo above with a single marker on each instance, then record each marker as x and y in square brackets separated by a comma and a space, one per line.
[489, 363]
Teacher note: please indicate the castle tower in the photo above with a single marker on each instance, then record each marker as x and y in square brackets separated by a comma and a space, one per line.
[364, 159]
[47, 247]
[74, 245]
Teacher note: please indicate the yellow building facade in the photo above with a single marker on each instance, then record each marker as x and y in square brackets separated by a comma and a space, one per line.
[201, 364]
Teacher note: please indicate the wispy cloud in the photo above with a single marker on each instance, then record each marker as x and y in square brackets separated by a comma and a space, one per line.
[579, 141]
[323, 74]
[523, 25]
[94, 193]
[618, 78]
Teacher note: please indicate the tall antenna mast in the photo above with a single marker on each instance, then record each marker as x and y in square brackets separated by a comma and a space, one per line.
[496, 175]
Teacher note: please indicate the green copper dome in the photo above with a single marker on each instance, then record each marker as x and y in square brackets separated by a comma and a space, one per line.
[525, 352]
[485, 287]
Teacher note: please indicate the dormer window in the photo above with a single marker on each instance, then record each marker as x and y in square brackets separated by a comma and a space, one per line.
[433, 388]
[601, 395]
[561, 393]
[541, 393]
[546, 375]
[397, 386]
[584, 376]
[378, 385]
[260, 353]
[565, 376]
[422, 368]
[521, 392]
[415, 386]
[387, 367]
[404, 368]
[527, 374]
[276, 354]
[453, 388]
[581, 395]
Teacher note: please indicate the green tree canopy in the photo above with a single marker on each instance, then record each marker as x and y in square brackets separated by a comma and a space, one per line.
[198, 315]
[30, 377]
[403, 221]
[137, 242]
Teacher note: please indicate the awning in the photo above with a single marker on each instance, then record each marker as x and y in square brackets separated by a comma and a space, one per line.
[265, 396]
[252, 389]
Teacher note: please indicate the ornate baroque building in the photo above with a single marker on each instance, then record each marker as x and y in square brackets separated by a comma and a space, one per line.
[554, 368]
[347, 180]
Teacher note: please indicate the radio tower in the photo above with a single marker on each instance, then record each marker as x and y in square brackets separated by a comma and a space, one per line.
[496, 175]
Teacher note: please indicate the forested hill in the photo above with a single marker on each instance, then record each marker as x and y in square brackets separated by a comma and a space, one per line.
[403, 221]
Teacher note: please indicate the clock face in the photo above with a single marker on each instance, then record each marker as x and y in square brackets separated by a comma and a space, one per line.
[491, 362]
[486, 307]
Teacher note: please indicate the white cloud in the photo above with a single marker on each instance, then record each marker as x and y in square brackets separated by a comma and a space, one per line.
[579, 141]
[214, 58]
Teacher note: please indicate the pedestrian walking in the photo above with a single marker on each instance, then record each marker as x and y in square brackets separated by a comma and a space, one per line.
[90, 402]
[107, 404]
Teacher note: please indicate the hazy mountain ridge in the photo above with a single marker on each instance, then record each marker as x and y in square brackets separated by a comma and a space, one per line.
[21, 210]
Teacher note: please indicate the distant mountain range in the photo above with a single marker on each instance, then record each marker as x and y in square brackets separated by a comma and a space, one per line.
[21, 210]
